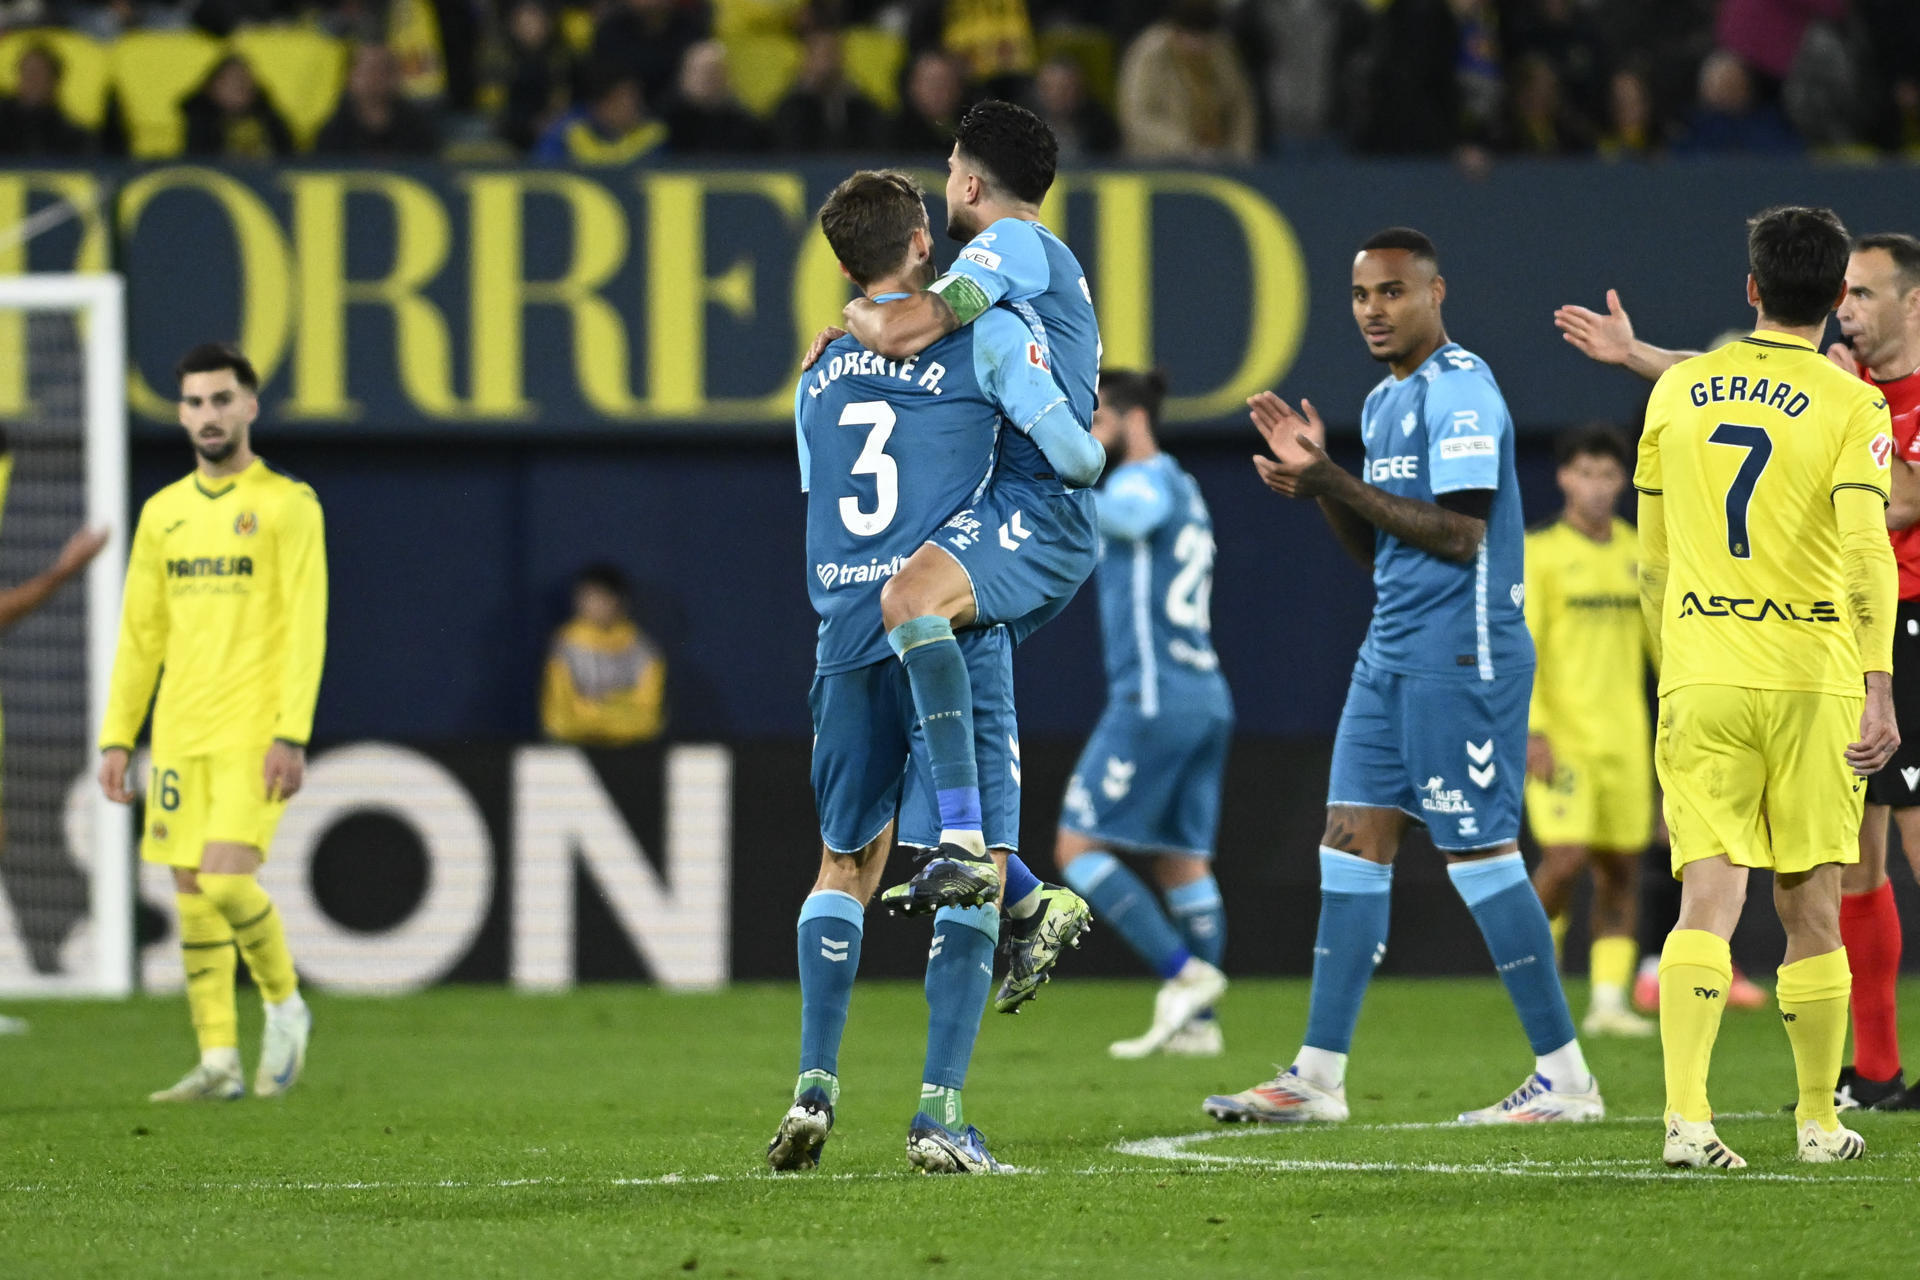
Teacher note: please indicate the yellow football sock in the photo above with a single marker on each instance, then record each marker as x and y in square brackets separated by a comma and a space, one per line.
[206, 945]
[1813, 996]
[1695, 971]
[1558, 925]
[256, 927]
[1610, 963]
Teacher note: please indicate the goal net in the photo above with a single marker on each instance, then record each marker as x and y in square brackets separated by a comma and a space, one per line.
[66, 889]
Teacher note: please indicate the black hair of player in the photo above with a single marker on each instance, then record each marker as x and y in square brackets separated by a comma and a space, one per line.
[1902, 248]
[1594, 440]
[869, 221]
[1417, 243]
[1128, 389]
[1014, 146]
[1798, 258]
[211, 357]
[605, 576]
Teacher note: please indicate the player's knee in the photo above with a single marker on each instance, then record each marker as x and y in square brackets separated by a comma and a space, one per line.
[904, 597]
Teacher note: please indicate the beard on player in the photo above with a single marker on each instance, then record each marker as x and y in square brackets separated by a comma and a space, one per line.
[215, 445]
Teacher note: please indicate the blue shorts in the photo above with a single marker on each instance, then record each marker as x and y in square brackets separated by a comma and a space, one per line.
[1151, 783]
[1025, 554]
[868, 751]
[1449, 752]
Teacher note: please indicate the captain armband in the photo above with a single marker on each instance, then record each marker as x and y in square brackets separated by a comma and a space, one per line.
[966, 299]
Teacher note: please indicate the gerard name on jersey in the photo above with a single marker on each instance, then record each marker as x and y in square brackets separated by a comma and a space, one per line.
[1775, 393]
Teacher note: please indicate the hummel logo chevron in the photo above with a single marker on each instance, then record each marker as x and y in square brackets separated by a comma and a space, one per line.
[1013, 746]
[834, 949]
[1482, 753]
[1013, 533]
[1482, 768]
[934, 950]
[1482, 778]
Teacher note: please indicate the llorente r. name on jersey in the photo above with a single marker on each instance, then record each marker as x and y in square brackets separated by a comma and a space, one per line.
[890, 449]
[226, 607]
[1444, 429]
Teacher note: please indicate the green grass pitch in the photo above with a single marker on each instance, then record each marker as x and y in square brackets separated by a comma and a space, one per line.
[620, 1132]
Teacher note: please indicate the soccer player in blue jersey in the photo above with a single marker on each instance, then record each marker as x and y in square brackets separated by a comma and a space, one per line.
[887, 448]
[1435, 726]
[1018, 553]
[1149, 780]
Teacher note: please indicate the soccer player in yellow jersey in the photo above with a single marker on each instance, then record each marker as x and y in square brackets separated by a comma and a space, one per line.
[1589, 743]
[226, 609]
[1768, 587]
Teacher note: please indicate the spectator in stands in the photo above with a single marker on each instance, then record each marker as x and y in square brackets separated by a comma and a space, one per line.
[1183, 93]
[1082, 125]
[611, 127]
[993, 39]
[931, 105]
[824, 111]
[1729, 116]
[228, 117]
[1568, 35]
[606, 681]
[1405, 91]
[1539, 120]
[704, 115]
[31, 121]
[1632, 128]
[648, 39]
[1767, 35]
[530, 71]
[373, 119]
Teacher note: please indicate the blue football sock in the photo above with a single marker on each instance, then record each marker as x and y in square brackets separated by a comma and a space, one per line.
[1123, 903]
[959, 979]
[943, 701]
[1021, 884]
[1515, 926]
[1355, 897]
[830, 928]
[1202, 917]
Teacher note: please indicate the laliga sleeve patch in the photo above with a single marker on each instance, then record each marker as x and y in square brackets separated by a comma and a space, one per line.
[1881, 446]
[1036, 357]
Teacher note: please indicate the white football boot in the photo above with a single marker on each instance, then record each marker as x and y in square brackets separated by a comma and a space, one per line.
[283, 1048]
[1692, 1144]
[1622, 1022]
[1536, 1101]
[1821, 1146]
[1180, 999]
[204, 1083]
[1200, 1038]
[1288, 1098]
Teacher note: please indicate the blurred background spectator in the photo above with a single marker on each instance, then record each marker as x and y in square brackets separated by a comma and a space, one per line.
[647, 39]
[824, 111]
[1183, 92]
[993, 40]
[1083, 127]
[605, 681]
[530, 73]
[1632, 129]
[373, 119]
[230, 118]
[611, 126]
[1730, 115]
[1539, 119]
[935, 93]
[703, 115]
[31, 121]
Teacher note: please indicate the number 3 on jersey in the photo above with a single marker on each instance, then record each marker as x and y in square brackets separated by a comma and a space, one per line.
[873, 461]
[1759, 447]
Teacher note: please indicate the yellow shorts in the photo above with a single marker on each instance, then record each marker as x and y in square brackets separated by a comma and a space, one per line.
[1760, 775]
[194, 801]
[1603, 803]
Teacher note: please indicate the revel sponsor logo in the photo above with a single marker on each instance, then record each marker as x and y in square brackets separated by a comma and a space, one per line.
[211, 567]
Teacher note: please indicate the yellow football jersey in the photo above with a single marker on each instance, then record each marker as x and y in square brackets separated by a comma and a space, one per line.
[1583, 608]
[1747, 447]
[227, 593]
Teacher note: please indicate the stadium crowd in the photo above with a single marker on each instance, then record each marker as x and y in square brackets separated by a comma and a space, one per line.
[1194, 80]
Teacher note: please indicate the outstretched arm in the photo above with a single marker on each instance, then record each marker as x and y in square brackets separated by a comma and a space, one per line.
[903, 328]
[1609, 339]
[17, 602]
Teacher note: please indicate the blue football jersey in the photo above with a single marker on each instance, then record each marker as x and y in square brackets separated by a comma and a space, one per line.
[890, 449]
[1443, 430]
[1156, 589]
[1024, 267]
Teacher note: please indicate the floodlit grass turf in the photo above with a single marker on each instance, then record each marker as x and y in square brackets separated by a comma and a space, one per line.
[479, 1133]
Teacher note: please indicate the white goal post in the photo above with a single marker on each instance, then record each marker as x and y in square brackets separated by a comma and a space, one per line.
[66, 875]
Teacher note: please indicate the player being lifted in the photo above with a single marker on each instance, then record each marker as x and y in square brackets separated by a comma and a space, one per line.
[1589, 743]
[887, 449]
[16, 603]
[1769, 588]
[226, 610]
[1880, 324]
[1435, 724]
[1017, 555]
[1148, 782]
